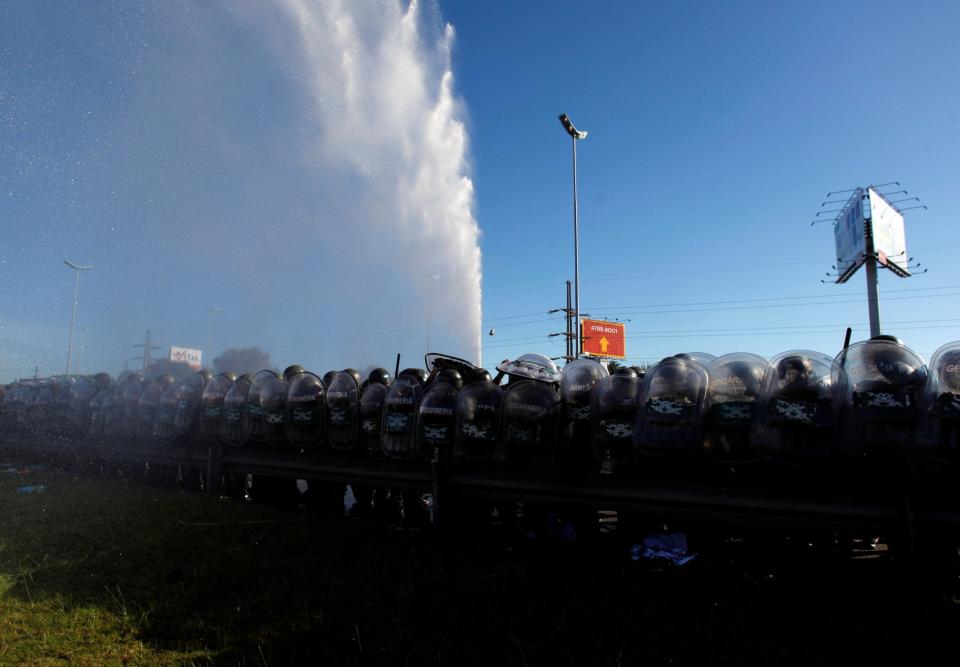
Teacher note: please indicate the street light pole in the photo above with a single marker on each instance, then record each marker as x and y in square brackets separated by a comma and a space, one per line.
[575, 136]
[76, 297]
[82, 349]
[213, 311]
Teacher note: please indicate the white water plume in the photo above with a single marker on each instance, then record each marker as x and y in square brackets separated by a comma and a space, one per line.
[303, 165]
[383, 100]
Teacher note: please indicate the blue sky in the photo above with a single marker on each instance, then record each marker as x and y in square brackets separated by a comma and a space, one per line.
[715, 131]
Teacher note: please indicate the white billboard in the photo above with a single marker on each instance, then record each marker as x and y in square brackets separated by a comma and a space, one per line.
[889, 239]
[186, 355]
[849, 237]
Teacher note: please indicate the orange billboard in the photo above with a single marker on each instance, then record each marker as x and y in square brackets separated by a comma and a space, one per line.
[604, 339]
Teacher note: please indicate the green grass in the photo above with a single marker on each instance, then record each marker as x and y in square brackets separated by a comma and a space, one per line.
[103, 572]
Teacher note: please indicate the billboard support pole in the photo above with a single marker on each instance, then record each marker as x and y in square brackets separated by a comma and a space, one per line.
[873, 296]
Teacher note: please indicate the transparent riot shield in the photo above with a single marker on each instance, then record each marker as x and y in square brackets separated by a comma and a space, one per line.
[263, 418]
[398, 430]
[211, 406]
[166, 412]
[672, 404]
[147, 408]
[133, 389]
[343, 412]
[306, 411]
[796, 418]
[95, 430]
[41, 408]
[436, 419]
[529, 425]
[733, 394]
[186, 420]
[576, 392]
[234, 407]
[616, 403]
[81, 393]
[113, 413]
[881, 405]
[477, 422]
[939, 437]
[372, 401]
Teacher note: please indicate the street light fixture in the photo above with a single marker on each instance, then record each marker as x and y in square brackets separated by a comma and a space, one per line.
[575, 135]
[213, 310]
[76, 297]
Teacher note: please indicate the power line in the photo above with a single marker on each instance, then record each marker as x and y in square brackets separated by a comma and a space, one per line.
[798, 327]
[774, 305]
[726, 302]
[777, 333]
[712, 269]
[777, 298]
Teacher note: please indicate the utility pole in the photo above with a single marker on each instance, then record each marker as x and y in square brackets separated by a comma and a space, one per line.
[569, 336]
[146, 352]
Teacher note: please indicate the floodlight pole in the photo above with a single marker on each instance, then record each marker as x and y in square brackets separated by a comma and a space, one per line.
[575, 135]
[76, 297]
[80, 352]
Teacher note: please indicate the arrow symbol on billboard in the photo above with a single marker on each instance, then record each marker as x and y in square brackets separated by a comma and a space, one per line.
[603, 344]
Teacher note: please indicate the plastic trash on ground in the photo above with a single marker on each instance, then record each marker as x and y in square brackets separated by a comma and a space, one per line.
[666, 546]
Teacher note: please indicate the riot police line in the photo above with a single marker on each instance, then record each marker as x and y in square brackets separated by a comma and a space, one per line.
[874, 417]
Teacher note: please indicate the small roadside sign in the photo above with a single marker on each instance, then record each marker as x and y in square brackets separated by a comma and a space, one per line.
[604, 339]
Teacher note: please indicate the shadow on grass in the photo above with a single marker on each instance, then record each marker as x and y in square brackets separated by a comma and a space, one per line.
[228, 582]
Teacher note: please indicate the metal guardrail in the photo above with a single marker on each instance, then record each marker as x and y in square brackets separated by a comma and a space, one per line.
[863, 510]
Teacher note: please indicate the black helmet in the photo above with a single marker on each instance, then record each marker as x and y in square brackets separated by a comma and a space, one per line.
[478, 375]
[794, 369]
[701, 357]
[101, 380]
[328, 378]
[948, 370]
[626, 370]
[896, 367]
[294, 369]
[164, 380]
[205, 374]
[450, 376]
[230, 375]
[379, 376]
[738, 376]
[355, 374]
[418, 373]
[246, 377]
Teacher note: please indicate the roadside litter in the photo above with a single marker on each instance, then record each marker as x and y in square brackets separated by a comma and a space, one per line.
[671, 547]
